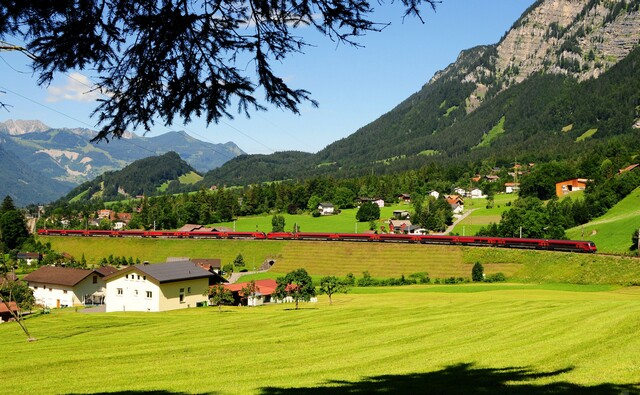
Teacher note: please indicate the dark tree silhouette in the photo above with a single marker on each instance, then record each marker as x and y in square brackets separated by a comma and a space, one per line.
[186, 58]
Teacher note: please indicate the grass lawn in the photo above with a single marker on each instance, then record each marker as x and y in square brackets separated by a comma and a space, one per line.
[612, 231]
[481, 215]
[417, 339]
[345, 222]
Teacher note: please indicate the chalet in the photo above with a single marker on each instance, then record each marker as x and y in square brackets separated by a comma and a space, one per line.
[326, 208]
[400, 214]
[435, 194]
[402, 226]
[377, 201]
[576, 184]
[55, 286]
[476, 178]
[460, 191]
[7, 312]
[455, 199]
[157, 287]
[106, 214]
[405, 198]
[477, 193]
[264, 292]
[29, 257]
[511, 187]
[491, 178]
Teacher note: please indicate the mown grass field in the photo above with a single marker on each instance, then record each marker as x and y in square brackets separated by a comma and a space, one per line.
[492, 339]
[612, 231]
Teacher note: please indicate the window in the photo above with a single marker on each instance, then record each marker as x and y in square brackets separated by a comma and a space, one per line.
[144, 277]
[149, 295]
[136, 292]
[120, 291]
[138, 277]
[189, 290]
[64, 291]
[35, 287]
[181, 295]
[126, 276]
[95, 279]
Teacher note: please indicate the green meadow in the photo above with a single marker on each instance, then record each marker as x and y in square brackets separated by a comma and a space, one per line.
[612, 231]
[493, 339]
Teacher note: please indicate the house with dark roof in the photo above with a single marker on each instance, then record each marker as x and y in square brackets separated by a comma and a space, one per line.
[157, 287]
[29, 257]
[55, 286]
[326, 208]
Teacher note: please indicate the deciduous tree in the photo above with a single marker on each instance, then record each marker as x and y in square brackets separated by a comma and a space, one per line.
[330, 285]
[219, 295]
[296, 284]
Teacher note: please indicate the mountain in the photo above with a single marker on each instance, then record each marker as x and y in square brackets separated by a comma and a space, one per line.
[66, 156]
[25, 185]
[143, 177]
[562, 80]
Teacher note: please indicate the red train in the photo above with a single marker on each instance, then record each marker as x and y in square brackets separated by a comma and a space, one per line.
[506, 242]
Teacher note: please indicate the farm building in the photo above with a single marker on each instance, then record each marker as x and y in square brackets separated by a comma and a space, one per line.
[326, 208]
[576, 184]
[157, 287]
[56, 287]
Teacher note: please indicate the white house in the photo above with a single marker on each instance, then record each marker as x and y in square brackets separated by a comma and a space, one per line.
[435, 194]
[460, 191]
[56, 287]
[157, 287]
[326, 208]
[476, 193]
[511, 187]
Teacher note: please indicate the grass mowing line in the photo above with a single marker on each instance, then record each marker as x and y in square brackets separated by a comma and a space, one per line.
[410, 341]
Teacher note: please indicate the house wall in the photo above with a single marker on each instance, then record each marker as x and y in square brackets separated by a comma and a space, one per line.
[133, 296]
[193, 294]
[53, 296]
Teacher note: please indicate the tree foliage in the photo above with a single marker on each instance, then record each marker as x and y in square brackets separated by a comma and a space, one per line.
[368, 211]
[13, 229]
[477, 272]
[277, 223]
[219, 295]
[296, 284]
[181, 58]
[330, 285]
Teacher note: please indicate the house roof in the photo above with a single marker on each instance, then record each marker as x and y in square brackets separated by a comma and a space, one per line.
[105, 270]
[57, 275]
[511, 184]
[628, 168]
[29, 255]
[12, 305]
[325, 204]
[208, 263]
[167, 272]
[264, 287]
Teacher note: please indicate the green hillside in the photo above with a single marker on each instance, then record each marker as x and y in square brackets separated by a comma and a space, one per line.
[612, 231]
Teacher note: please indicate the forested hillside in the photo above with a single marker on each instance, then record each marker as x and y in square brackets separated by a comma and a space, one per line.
[142, 177]
[563, 81]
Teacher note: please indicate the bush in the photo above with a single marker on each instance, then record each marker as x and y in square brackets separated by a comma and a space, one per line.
[495, 278]
[420, 277]
[349, 279]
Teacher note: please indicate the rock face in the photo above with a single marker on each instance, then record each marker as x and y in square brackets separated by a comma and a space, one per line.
[579, 38]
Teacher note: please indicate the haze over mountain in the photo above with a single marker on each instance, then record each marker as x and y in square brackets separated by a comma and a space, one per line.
[564, 78]
[44, 163]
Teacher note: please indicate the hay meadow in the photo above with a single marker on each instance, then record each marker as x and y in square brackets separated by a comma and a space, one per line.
[460, 339]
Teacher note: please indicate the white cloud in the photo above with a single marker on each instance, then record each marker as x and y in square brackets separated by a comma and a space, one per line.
[78, 88]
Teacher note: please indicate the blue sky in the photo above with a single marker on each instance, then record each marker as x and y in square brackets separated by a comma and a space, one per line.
[354, 86]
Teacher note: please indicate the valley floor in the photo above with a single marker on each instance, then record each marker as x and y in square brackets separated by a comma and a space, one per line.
[458, 339]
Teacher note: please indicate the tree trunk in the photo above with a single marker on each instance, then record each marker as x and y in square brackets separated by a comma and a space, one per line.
[330, 301]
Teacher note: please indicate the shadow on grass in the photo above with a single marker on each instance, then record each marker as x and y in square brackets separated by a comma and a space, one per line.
[155, 392]
[461, 379]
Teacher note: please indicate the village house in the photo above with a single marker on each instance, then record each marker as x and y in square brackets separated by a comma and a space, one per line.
[629, 168]
[576, 184]
[477, 193]
[460, 191]
[402, 226]
[435, 194]
[157, 287]
[377, 201]
[511, 187]
[405, 198]
[264, 292]
[491, 178]
[6, 314]
[29, 257]
[326, 208]
[56, 287]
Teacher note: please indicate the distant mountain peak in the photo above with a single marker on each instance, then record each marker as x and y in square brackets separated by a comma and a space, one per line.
[19, 127]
